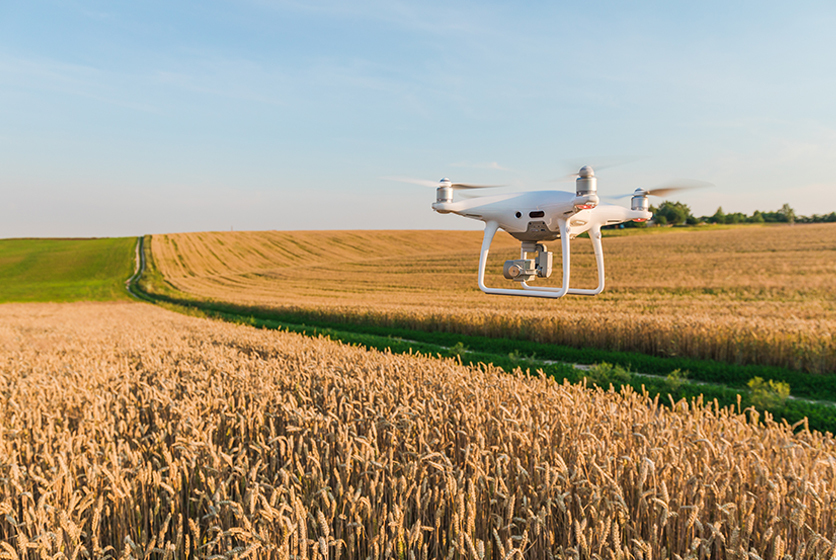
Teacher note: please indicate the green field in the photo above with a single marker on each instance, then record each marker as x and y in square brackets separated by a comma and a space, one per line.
[65, 269]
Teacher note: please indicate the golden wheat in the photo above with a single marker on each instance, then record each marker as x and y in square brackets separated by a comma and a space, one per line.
[743, 295]
[129, 431]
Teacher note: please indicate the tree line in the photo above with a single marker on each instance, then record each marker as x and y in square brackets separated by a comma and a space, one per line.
[678, 213]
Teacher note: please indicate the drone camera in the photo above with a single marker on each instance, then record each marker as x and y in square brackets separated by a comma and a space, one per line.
[524, 269]
[521, 270]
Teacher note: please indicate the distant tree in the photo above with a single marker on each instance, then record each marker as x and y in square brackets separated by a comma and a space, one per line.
[772, 217]
[788, 213]
[675, 213]
[817, 218]
[736, 218]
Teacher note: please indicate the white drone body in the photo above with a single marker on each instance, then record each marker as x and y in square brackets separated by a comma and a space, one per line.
[540, 216]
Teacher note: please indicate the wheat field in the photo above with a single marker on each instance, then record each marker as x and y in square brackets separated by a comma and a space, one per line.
[746, 294]
[127, 431]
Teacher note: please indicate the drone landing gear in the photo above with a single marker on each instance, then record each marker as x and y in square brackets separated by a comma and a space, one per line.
[531, 291]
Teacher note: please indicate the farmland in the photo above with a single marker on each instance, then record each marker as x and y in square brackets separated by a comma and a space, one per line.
[744, 295]
[65, 269]
[128, 430]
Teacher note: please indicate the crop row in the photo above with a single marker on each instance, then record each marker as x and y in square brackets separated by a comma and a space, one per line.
[130, 431]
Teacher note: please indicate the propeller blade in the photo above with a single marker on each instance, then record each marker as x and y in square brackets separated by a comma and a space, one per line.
[667, 188]
[598, 164]
[565, 178]
[605, 162]
[436, 184]
[466, 186]
[422, 182]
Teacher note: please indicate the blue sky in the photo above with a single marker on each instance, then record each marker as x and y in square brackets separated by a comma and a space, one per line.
[123, 118]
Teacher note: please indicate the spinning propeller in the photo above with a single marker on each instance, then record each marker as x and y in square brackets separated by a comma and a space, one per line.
[600, 163]
[443, 183]
[667, 188]
[444, 187]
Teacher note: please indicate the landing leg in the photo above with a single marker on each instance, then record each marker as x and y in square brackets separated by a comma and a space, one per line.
[527, 291]
[595, 237]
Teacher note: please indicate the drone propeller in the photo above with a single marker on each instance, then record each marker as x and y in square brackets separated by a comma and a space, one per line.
[442, 183]
[600, 164]
[667, 188]
[566, 178]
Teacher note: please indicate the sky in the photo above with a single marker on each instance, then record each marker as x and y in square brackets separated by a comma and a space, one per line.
[129, 118]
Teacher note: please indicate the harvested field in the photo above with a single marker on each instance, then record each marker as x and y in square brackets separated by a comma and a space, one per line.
[743, 295]
[130, 431]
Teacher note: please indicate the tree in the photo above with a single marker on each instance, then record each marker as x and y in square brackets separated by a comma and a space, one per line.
[787, 213]
[675, 213]
[736, 218]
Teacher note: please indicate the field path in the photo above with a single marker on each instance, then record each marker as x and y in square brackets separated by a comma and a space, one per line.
[139, 268]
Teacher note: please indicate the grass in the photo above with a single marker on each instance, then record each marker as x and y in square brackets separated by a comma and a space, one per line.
[61, 270]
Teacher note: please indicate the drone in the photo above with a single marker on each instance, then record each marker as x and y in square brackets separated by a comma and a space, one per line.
[537, 217]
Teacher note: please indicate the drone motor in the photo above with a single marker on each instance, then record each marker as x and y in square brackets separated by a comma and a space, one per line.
[586, 189]
[444, 192]
[639, 201]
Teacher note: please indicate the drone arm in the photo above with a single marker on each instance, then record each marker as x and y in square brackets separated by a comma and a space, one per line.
[490, 231]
